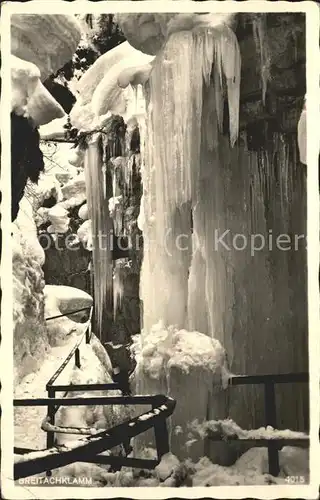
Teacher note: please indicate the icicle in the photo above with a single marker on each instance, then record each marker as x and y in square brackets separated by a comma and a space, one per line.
[101, 231]
[259, 31]
[228, 60]
[117, 290]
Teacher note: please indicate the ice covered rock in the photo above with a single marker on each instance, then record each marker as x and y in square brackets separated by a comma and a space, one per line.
[59, 219]
[84, 234]
[47, 40]
[60, 299]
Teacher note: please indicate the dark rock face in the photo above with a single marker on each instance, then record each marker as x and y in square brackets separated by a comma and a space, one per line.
[273, 58]
[26, 158]
[66, 266]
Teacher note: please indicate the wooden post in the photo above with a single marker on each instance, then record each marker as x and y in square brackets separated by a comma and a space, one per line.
[77, 358]
[162, 436]
[50, 435]
[271, 419]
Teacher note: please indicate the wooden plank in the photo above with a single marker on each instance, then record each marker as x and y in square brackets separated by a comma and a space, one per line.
[69, 313]
[257, 443]
[271, 419]
[139, 463]
[285, 378]
[88, 387]
[102, 400]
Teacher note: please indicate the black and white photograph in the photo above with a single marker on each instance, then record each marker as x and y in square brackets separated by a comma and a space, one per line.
[160, 304]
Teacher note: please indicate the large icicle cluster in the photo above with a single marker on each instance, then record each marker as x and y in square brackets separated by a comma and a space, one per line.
[181, 71]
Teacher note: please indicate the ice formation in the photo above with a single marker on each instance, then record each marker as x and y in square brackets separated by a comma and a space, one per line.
[302, 135]
[102, 228]
[172, 174]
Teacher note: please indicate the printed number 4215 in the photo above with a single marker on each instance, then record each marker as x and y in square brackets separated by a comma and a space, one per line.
[295, 479]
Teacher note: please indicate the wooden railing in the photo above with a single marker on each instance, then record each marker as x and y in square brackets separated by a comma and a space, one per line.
[273, 444]
[89, 448]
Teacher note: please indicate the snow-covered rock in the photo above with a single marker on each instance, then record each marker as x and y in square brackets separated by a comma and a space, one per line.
[60, 299]
[187, 366]
[59, 219]
[84, 234]
[83, 212]
[74, 192]
[47, 40]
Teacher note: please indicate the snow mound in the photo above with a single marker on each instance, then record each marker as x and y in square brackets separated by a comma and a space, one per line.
[60, 299]
[165, 348]
[225, 429]
[91, 79]
[47, 40]
[167, 466]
